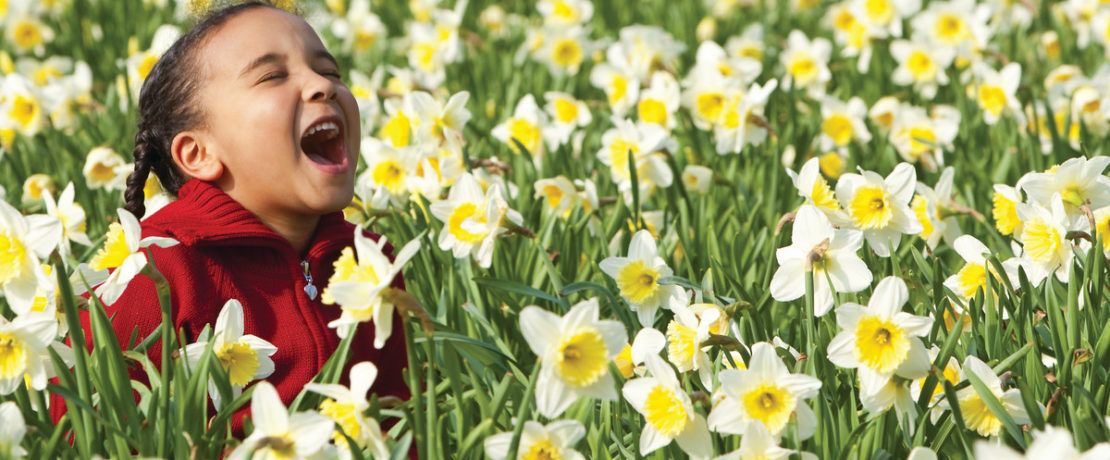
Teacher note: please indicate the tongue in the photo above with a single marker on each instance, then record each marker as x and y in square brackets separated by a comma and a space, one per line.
[320, 159]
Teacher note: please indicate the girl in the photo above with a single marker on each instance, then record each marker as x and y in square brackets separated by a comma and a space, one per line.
[245, 119]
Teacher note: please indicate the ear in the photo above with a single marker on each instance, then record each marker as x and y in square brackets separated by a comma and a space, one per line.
[191, 153]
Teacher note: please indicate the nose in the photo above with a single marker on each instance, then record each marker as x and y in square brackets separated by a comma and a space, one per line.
[318, 88]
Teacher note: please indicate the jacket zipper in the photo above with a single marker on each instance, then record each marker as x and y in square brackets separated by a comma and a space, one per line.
[309, 288]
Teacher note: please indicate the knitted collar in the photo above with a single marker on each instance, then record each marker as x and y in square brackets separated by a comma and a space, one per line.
[203, 214]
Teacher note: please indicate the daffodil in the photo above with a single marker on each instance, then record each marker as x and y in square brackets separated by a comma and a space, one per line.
[756, 443]
[642, 49]
[880, 340]
[104, 168]
[668, 411]
[389, 168]
[21, 105]
[24, 341]
[659, 101]
[360, 29]
[806, 63]
[879, 206]
[691, 327]
[973, 275]
[644, 141]
[555, 440]
[139, 64]
[1004, 209]
[23, 242]
[815, 189]
[956, 24]
[951, 372]
[884, 112]
[359, 283]
[280, 435]
[923, 137]
[638, 275]
[888, 14]
[1045, 250]
[565, 13]
[622, 90]
[977, 416]
[1053, 442]
[12, 430]
[123, 252]
[564, 50]
[842, 123]
[1090, 108]
[1077, 181]
[741, 120]
[472, 220]
[575, 351]
[559, 193]
[36, 186]
[995, 92]
[347, 408]
[697, 178]
[524, 127]
[830, 254]
[567, 114]
[72, 217]
[933, 209]
[246, 358]
[921, 65]
[765, 393]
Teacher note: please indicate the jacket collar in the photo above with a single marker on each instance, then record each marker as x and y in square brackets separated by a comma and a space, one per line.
[204, 214]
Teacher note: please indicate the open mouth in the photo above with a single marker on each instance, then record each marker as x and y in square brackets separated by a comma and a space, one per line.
[323, 143]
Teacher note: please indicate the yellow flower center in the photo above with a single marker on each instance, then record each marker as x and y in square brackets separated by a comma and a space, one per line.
[565, 12]
[1072, 195]
[425, 55]
[554, 195]
[709, 105]
[653, 111]
[870, 208]
[13, 356]
[524, 132]
[881, 344]
[665, 412]
[13, 257]
[618, 89]
[922, 140]
[390, 175]
[583, 358]
[770, 404]
[637, 281]
[624, 362]
[920, 207]
[1041, 240]
[364, 39]
[970, 278]
[839, 128]
[567, 53]
[682, 344]
[24, 110]
[102, 172]
[832, 165]
[822, 195]
[844, 21]
[879, 11]
[992, 99]
[618, 156]
[1004, 212]
[397, 130]
[27, 35]
[921, 66]
[566, 111]
[978, 416]
[147, 65]
[950, 28]
[1103, 226]
[115, 249]
[345, 415]
[454, 224]
[542, 450]
[803, 68]
[240, 361]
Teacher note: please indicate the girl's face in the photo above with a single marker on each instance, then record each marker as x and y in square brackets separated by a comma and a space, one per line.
[278, 117]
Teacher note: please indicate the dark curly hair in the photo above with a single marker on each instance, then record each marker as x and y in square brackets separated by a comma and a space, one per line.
[166, 107]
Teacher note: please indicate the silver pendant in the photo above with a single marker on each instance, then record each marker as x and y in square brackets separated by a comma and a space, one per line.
[311, 291]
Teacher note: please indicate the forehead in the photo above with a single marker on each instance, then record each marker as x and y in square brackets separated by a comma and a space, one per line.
[254, 33]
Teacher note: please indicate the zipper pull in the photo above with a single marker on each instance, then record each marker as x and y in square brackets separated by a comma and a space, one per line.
[308, 287]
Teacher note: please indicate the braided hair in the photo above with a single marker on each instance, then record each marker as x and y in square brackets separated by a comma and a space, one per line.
[166, 107]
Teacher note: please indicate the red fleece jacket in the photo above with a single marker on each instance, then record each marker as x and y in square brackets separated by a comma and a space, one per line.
[226, 252]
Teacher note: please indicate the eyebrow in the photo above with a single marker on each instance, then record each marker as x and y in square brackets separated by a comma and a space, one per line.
[270, 58]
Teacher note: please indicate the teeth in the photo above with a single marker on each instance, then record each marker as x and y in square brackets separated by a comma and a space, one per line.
[332, 129]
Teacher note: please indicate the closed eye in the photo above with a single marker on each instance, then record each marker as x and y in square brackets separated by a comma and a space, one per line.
[272, 76]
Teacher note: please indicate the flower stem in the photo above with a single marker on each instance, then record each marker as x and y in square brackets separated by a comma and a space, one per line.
[522, 413]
